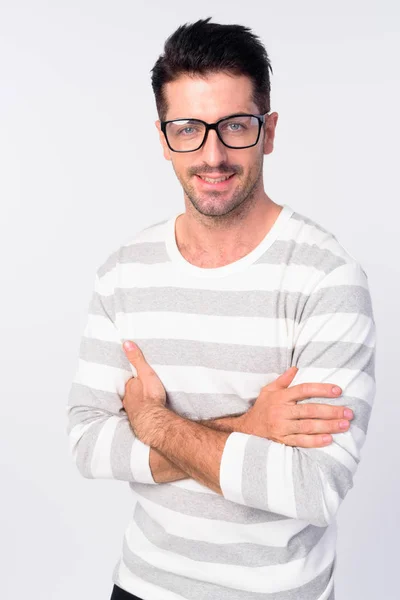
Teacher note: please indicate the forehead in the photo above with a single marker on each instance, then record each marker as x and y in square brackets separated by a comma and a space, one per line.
[210, 97]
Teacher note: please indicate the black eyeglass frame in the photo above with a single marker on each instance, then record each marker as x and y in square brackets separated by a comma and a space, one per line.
[261, 120]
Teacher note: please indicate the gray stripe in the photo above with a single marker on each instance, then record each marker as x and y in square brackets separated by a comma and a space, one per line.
[231, 357]
[338, 475]
[299, 217]
[104, 352]
[193, 589]
[87, 397]
[280, 252]
[254, 484]
[228, 357]
[80, 415]
[202, 406]
[121, 449]
[275, 304]
[204, 505]
[85, 448]
[244, 554]
[307, 489]
[100, 304]
[339, 298]
[108, 264]
[308, 486]
[147, 253]
[220, 303]
[335, 355]
[303, 254]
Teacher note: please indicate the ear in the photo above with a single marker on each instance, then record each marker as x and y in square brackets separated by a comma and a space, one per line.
[269, 135]
[166, 150]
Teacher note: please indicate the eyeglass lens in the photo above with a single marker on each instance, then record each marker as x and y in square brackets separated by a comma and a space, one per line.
[188, 134]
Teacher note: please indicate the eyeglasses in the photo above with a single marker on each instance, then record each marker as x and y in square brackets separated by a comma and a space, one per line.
[237, 131]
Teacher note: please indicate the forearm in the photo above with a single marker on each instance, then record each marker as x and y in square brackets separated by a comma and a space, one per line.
[193, 448]
[165, 471]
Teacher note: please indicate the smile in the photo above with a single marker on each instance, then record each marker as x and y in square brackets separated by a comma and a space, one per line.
[215, 181]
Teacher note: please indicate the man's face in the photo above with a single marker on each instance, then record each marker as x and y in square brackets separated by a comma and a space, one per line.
[215, 97]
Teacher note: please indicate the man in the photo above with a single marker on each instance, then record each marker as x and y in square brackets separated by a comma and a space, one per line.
[243, 314]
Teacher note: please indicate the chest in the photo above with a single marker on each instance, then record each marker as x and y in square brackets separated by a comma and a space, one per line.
[212, 350]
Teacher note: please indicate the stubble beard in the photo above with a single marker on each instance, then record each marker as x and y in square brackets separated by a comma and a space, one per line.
[215, 204]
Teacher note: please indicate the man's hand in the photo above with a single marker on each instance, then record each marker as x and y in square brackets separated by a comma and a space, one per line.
[277, 416]
[146, 391]
[142, 393]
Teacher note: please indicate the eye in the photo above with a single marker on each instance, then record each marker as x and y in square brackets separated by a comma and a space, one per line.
[235, 125]
[184, 130]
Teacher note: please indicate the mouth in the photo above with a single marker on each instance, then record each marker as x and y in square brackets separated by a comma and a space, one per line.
[215, 182]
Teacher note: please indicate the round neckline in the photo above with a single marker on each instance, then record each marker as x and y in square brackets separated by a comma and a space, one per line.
[237, 265]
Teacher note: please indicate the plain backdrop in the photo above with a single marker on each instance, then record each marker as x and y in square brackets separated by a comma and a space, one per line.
[82, 172]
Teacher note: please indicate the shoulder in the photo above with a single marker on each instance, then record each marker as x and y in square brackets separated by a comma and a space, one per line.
[322, 250]
[145, 246]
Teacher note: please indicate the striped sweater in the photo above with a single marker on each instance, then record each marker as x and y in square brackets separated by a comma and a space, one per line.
[215, 336]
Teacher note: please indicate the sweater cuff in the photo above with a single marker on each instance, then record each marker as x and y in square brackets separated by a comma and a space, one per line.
[140, 462]
[231, 467]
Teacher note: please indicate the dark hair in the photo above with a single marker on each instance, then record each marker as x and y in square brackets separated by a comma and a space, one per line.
[204, 47]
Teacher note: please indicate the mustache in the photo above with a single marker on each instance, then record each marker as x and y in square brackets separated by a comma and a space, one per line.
[229, 170]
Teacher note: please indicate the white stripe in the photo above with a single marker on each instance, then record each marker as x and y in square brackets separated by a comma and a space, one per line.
[199, 529]
[102, 377]
[193, 486]
[271, 579]
[76, 434]
[338, 449]
[213, 381]
[330, 498]
[140, 465]
[262, 277]
[205, 328]
[101, 459]
[343, 327]
[279, 480]
[351, 272]
[353, 383]
[231, 467]
[101, 328]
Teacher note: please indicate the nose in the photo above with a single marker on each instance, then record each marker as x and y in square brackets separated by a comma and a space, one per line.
[213, 150]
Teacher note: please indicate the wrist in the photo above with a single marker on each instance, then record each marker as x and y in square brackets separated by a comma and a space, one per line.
[227, 424]
[148, 421]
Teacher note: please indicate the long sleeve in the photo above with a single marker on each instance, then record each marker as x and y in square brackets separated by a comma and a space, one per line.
[102, 442]
[335, 342]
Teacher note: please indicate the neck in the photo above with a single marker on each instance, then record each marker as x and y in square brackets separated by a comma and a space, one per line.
[216, 241]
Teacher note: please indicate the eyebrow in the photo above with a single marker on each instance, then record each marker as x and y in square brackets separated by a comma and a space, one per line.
[238, 112]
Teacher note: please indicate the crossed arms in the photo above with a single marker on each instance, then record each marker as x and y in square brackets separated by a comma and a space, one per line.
[335, 342]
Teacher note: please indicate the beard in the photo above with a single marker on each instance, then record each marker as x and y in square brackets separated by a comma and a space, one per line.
[222, 203]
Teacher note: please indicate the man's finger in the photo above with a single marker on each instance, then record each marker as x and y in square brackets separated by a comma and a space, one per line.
[282, 381]
[136, 358]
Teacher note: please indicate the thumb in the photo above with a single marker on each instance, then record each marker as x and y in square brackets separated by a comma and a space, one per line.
[136, 358]
[283, 380]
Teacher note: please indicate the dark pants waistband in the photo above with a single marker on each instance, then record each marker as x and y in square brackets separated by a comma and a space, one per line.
[120, 594]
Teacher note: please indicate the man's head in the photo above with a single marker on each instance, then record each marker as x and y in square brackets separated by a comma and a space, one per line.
[208, 72]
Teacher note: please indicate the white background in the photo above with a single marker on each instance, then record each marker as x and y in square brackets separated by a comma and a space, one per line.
[81, 171]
